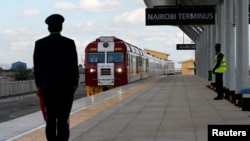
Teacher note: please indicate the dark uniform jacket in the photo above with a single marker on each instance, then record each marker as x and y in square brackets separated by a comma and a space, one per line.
[55, 62]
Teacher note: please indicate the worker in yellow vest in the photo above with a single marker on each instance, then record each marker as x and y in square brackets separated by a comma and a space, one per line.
[220, 67]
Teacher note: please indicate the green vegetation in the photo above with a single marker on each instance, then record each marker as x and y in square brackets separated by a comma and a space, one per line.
[23, 75]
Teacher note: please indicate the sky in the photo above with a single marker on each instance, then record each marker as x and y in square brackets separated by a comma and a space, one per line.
[22, 23]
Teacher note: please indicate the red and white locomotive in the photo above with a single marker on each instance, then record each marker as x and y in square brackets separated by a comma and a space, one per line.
[111, 62]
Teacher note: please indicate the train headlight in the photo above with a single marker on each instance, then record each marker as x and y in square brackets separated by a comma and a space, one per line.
[92, 70]
[119, 70]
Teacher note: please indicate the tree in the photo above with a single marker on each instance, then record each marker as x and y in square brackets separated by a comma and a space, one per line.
[23, 75]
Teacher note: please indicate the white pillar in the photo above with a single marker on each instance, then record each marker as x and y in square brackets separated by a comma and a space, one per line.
[218, 24]
[242, 46]
[197, 56]
[211, 49]
[206, 52]
[229, 27]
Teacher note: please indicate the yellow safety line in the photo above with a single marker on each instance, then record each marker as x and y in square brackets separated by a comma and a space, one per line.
[88, 113]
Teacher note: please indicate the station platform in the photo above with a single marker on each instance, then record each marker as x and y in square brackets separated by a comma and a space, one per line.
[164, 108]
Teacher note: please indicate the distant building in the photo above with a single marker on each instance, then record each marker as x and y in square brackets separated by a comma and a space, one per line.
[157, 54]
[19, 66]
[188, 67]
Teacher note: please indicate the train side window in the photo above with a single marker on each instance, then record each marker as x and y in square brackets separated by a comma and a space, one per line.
[115, 57]
[96, 57]
[128, 48]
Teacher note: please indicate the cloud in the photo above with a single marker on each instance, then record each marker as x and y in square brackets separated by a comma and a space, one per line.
[131, 17]
[65, 5]
[21, 39]
[100, 5]
[31, 12]
[82, 28]
[19, 45]
[157, 34]
[7, 32]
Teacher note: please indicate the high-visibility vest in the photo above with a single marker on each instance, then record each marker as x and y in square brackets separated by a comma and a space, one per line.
[223, 65]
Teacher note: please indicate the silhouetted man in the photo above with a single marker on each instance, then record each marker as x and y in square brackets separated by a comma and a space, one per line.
[56, 75]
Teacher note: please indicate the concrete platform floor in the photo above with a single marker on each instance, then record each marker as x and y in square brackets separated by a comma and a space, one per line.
[164, 108]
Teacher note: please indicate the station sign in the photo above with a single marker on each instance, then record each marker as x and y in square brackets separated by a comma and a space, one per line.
[188, 15]
[185, 46]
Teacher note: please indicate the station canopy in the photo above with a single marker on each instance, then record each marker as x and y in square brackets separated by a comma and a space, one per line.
[192, 31]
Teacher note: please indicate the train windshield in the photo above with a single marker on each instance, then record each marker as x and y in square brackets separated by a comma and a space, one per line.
[96, 57]
[115, 57]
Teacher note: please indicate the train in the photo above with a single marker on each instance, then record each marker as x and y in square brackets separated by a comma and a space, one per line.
[111, 62]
